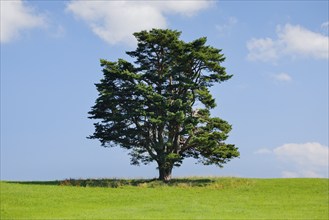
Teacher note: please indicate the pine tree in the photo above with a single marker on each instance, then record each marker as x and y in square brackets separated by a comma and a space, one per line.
[159, 107]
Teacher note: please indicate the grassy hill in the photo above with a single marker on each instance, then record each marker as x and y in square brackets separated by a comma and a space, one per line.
[191, 198]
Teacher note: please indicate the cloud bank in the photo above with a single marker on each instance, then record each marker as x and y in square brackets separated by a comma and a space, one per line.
[301, 160]
[292, 40]
[115, 21]
[16, 17]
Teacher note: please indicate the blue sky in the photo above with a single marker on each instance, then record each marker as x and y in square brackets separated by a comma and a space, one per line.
[277, 100]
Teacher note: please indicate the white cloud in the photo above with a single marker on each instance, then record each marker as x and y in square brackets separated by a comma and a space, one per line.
[16, 16]
[325, 26]
[293, 41]
[115, 21]
[262, 49]
[309, 159]
[303, 173]
[308, 154]
[300, 41]
[263, 151]
[226, 28]
[283, 77]
[58, 31]
[289, 174]
[186, 8]
[300, 160]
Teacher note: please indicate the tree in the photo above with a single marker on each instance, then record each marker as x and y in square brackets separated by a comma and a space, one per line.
[159, 108]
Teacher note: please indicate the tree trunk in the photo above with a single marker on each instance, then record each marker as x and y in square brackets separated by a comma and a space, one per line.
[165, 173]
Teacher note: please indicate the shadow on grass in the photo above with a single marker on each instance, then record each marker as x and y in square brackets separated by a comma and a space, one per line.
[114, 183]
[46, 183]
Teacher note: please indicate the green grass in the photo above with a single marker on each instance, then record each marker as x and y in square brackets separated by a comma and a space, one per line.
[192, 198]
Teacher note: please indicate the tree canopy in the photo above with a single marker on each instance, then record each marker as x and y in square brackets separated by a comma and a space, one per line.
[159, 106]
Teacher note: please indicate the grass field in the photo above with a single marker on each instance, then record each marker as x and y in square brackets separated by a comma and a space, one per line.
[192, 198]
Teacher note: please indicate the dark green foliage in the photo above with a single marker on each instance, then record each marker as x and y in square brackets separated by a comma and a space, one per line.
[150, 107]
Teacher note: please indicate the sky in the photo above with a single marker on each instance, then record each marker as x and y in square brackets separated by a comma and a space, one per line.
[277, 100]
